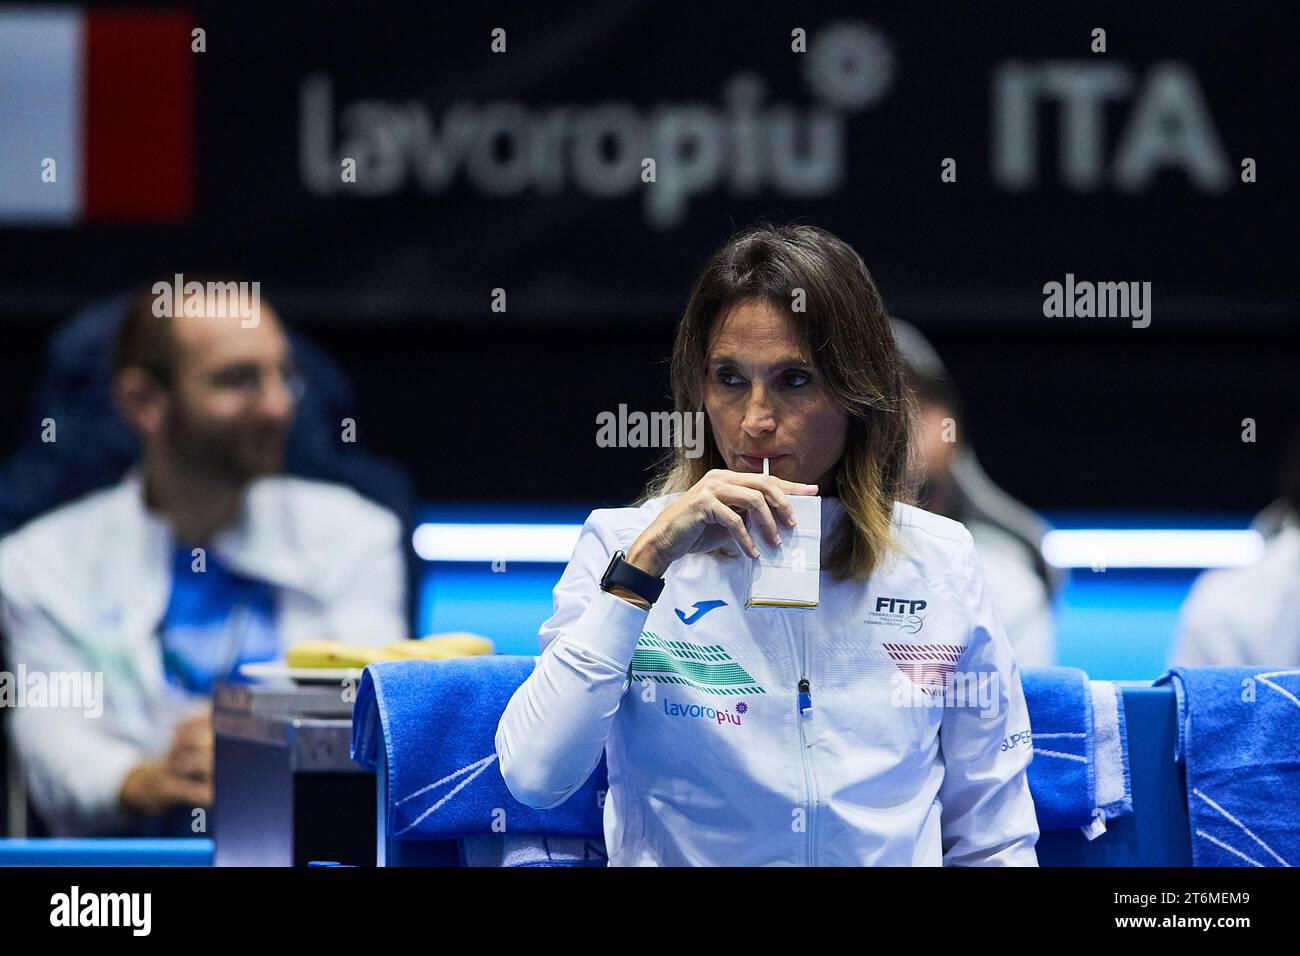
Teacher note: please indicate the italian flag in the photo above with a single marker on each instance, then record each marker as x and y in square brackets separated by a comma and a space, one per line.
[108, 95]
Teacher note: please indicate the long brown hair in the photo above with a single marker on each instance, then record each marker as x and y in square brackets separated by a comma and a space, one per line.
[845, 329]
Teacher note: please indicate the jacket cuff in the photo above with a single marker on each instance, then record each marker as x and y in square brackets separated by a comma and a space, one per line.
[609, 627]
[85, 801]
[103, 811]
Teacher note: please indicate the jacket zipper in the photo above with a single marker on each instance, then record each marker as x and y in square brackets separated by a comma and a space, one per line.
[803, 714]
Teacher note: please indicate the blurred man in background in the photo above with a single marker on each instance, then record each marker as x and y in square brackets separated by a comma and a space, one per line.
[202, 559]
[1008, 536]
[1250, 617]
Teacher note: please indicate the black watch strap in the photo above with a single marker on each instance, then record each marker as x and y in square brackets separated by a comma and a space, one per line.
[621, 574]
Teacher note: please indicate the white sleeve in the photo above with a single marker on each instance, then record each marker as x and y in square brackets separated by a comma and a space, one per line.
[988, 816]
[369, 606]
[554, 728]
[73, 763]
[1023, 605]
[1205, 634]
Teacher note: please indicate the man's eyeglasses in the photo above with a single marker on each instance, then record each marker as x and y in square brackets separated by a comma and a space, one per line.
[249, 381]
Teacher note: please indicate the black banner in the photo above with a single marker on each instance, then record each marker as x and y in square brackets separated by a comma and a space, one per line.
[586, 158]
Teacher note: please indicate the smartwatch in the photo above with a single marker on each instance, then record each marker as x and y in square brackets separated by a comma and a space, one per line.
[620, 574]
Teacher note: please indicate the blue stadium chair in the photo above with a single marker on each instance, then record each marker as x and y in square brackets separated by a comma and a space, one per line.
[1156, 833]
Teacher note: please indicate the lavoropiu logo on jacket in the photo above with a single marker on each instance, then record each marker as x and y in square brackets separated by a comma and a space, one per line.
[704, 712]
[703, 667]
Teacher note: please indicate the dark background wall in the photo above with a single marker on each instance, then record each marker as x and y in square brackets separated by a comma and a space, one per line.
[1061, 421]
[393, 275]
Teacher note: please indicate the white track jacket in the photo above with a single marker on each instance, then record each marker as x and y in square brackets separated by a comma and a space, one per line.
[85, 586]
[908, 744]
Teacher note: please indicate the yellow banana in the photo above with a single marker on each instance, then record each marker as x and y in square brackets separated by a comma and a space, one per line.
[436, 647]
[331, 654]
[439, 647]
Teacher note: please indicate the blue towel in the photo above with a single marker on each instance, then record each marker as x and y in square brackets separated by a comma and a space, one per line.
[533, 850]
[1239, 734]
[1079, 776]
[437, 721]
[1114, 784]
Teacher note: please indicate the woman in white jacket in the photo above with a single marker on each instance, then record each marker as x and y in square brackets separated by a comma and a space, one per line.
[887, 725]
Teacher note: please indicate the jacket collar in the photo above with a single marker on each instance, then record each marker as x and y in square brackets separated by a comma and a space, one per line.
[253, 545]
